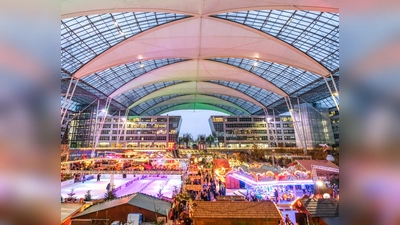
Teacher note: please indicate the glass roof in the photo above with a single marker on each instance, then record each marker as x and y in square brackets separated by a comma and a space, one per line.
[158, 110]
[234, 111]
[261, 95]
[327, 102]
[85, 37]
[312, 93]
[287, 78]
[82, 93]
[109, 80]
[133, 95]
[139, 109]
[314, 33]
[72, 104]
[250, 107]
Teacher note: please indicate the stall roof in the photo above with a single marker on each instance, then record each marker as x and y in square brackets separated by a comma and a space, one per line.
[321, 207]
[140, 200]
[307, 164]
[235, 209]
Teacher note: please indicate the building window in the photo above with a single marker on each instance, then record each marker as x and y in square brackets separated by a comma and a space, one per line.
[231, 119]
[245, 119]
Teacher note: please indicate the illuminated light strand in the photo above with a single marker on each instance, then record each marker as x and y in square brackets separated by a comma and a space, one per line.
[254, 183]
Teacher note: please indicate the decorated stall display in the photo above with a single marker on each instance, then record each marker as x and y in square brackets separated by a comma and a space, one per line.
[268, 176]
[165, 163]
[221, 168]
[285, 176]
[302, 175]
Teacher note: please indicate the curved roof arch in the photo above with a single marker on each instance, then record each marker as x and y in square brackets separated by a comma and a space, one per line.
[73, 8]
[134, 95]
[247, 106]
[250, 107]
[197, 99]
[261, 95]
[196, 88]
[191, 106]
[202, 38]
[199, 70]
[112, 79]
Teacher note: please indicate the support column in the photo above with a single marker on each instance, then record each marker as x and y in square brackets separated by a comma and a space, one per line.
[167, 131]
[302, 126]
[276, 129]
[330, 90]
[295, 125]
[117, 138]
[95, 126]
[107, 105]
[273, 133]
[224, 124]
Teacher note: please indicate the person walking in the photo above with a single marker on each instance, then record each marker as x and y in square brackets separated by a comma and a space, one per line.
[98, 176]
[288, 221]
[276, 194]
[83, 178]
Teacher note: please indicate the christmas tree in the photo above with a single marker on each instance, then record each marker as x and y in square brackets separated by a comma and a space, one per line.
[65, 145]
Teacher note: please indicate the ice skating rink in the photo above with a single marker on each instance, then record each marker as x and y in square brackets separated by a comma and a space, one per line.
[148, 185]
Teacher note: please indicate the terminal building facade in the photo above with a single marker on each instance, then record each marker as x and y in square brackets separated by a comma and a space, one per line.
[119, 131]
[244, 131]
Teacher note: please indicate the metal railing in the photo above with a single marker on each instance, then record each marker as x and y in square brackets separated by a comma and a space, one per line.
[138, 172]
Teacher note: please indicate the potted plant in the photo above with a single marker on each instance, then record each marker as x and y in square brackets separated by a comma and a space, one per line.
[71, 196]
[88, 196]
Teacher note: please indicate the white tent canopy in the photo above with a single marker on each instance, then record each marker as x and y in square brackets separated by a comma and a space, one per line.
[202, 38]
[199, 70]
[196, 88]
[73, 8]
[192, 99]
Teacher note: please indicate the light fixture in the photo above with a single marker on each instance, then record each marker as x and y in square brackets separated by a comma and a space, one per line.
[122, 33]
[255, 63]
[141, 65]
[116, 23]
[335, 93]
[103, 110]
[319, 183]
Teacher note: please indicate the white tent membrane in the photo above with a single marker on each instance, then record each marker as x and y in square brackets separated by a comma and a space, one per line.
[196, 99]
[202, 38]
[73, 8]
[196, 88]
[194, 106]
[198, 70]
